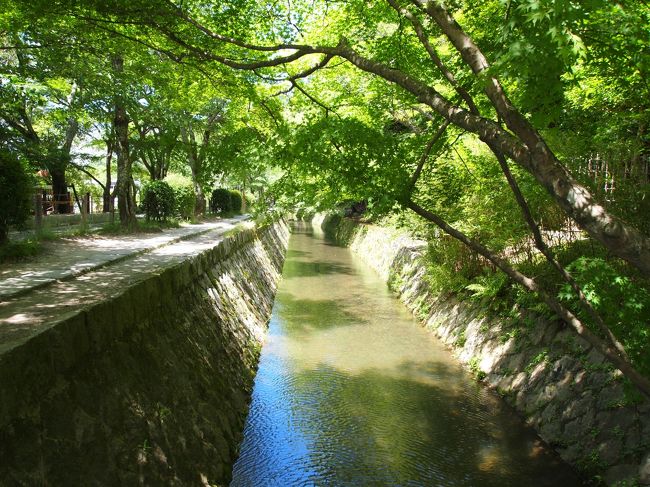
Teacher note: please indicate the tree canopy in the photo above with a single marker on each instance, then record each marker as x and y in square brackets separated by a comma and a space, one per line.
[465, 113]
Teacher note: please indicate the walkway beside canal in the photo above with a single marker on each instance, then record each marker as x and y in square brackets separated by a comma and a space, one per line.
[77, 272]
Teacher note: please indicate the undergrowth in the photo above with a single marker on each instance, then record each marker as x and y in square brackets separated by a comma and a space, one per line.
[151, 226]
[615, 290]
[19, 251]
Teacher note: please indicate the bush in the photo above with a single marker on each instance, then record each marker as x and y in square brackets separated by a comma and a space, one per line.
[15, 197]
[19, 251]
[158, 200]
[184, 196]
[220, 201]
[236, 201]
[623, 303]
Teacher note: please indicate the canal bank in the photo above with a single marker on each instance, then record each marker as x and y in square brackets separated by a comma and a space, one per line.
[551, 377]
[351, 390]
[138, 373]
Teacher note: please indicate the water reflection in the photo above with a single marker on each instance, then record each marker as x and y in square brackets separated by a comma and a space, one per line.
[351, 391]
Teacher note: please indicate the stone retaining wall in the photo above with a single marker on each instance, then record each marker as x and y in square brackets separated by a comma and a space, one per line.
[150, 388]
[551, 376]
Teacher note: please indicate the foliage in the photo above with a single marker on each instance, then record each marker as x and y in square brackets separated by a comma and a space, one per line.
[183, 196]
[158, 200]
[19, 251]
[16, 194]
[144, 226]
[236, 201]
[334, 160]
[622, 301]
[308, 137]
[221, 201]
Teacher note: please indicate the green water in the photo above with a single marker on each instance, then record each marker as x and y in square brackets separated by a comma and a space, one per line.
[352, 391]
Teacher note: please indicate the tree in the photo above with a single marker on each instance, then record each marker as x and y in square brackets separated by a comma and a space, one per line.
[196, 132]
[125, 188]
[43, 112]
[518, 140]
[15, 200]
[441, 73]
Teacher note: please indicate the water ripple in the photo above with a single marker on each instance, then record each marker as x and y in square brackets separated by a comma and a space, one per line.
[351, 391]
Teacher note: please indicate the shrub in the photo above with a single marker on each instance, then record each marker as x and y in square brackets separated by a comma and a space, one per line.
[622, 301]
[15, 197]
[19, 251]
[220, 201]
[158, 200]
[236, 201]
[184, 196]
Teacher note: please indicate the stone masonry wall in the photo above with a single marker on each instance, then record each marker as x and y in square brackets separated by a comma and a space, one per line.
[551, 376]
[151, 388]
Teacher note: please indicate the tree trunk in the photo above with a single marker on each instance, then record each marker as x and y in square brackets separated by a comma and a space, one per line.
[243, 196]
[194, 161]
[107, 207]
[58, 164]
[60, 190]
[199, 205]
[124, 186]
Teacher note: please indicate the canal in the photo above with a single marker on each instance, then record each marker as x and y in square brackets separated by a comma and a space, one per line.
[351, 390]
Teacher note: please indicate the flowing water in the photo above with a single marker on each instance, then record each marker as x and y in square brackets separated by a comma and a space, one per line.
[352, 391]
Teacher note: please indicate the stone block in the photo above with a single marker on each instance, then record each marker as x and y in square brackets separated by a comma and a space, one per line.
[610, 451]
[597, 379]
[145, 299]
[611, 396]
[536, 334]
[515, 362]
[182, 276]
[26, 373]
[68, 341]
[644, 470]
[581, 427]
[572, 453]
[9, 388]
[616, 422]
[579, 406]
[551, 432]
[624, 474]
[166, 286]
[123, 314]
[519, 381]
[633, 440]
[100, 323]
[562, 367]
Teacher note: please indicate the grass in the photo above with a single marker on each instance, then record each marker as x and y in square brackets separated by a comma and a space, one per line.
[25, 250]
[619, 293]
[144, 226]
[20, 251]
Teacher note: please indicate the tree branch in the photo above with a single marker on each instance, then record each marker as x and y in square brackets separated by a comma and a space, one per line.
[425, 155]
[88, 173]
[548, 254]
[610, 353]
[424, 40]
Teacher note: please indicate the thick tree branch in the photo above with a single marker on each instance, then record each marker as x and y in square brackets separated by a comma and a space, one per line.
[313, 69]
[548, 254]
[424, 40]
[620, 238]
[88, 173]
[610, 353]
[425, 155]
